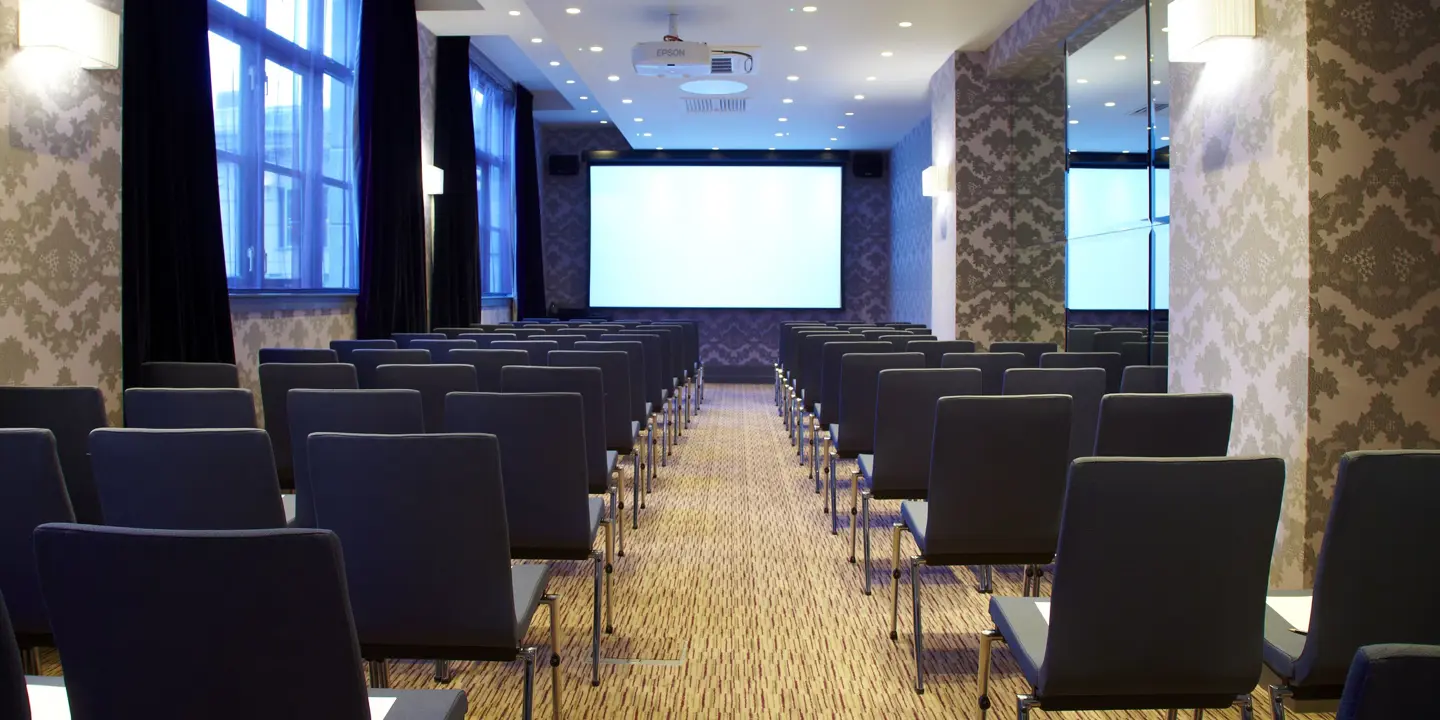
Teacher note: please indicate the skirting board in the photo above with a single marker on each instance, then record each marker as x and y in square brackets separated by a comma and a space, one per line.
[739, 373]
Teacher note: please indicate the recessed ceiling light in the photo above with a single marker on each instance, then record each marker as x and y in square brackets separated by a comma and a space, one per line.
[839, 127]
[569, 82]
[827, 148]
[572, 11]
[645, 134]
[792, 78]
[1166, 138]
[584, 97]
[870, 79]
[594, 111]
[613, 78]
[554, 63]
[787, 101]
[1154, 82]
[1109, 104]
[659, 148]
[627, 101]
[834, 139]
[514, 13]
[604, 122]
[779, 134]
[784, 119]
[1074, 122]
[1119, 57]
[772, 148]
[639, 119]
[801, 48]
[849, 114]
[887, 53]
[809, 8]
[1124, 152]
[596, 48]
[1082, 81]
[906, 24]
[859, 97]
[714, 148]
[537, 40]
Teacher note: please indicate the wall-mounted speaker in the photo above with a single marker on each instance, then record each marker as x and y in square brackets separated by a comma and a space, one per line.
[564, 164]
[868, 164]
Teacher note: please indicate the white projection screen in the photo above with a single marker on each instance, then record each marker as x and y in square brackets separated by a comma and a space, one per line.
[715, 236]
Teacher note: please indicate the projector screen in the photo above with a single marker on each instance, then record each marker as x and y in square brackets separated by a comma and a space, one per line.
[715, 236]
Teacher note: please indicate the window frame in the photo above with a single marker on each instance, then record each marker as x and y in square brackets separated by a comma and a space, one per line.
[487, 163]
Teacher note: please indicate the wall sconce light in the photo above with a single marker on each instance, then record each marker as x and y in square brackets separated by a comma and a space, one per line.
[89, 32]
[1199, 27]
[433, 180]
[935, 181]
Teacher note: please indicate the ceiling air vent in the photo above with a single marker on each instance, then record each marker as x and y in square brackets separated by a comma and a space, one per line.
[722, 65]
[709, 105]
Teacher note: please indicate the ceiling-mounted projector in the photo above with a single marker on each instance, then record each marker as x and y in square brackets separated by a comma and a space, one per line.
[675, 58]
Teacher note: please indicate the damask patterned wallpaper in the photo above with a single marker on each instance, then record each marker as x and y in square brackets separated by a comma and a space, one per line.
[910, 228]
[1035, 43]
[264, 322]
[743, 340]
[59, 219]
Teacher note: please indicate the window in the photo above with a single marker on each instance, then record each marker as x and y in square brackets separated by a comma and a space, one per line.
[494, 111]
[282, 74]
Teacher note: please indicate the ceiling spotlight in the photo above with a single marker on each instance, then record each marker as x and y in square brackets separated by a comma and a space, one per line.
[604, 122]
[779, 134]
[887, 53]
[1119, 57]
[645, 134]
[554, 63]
[834, 139]
[870, 79]
[787, 101]
[714, 148]
[839, 127]
[1166, 138]
[1154, 82]
[639, 119]
[849, 114]
[1082, 81]
[514, 13]
[572, 11]
[827, 148]
[1074, 122]
[596, 48]
[772, 148]
[809, 8]
[1109, 104]
[801, 48]
[659, 148]
[613, 78]
[594, 111]
[537, 40]
[627, 101]
[584, 97]
[906, 24]
[569, 82]
[784, 119]
[792, 78]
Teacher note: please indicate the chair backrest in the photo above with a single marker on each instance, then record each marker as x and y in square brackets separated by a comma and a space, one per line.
[1131, 523]
[935, 350]
[488, 363]
[992, 367]
[830, 357]
[366, 361]
[440, 349]
[276, 382]
[433, 382]
[1386, 681]
[997, 478]
[14, 697]
[614, 369]
[657, 353]
[853, 325]
[189, 375]
[1138, 379]
[811, 368]
[247, 611]
[180, 408]
[897, 338]
[566, 340]
[542, 462]
[1368, 590]
[538, 350]
[343, 348]
[298, 355]
[449, 496]
[859, 376]
[453, 333]
[403, 340]
[70, 413]
[589, 384]
[487, 327]
[187, 479]
[1138, 353]
[34, 492]
[789, 336]
[1107, 361]
[1085, 386]
[635, 351]
[1080, 339]
[692, 341]
[905, 426]
[675, 337]
[526, 333]
[1114, 340]
[1156, 426]
[1093, 326]
[798, 334]
[590, 334]
[877, 333]
[1031, 350]
[380, 412]
[483, 340]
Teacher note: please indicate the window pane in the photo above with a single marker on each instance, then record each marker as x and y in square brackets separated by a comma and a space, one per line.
[335, 107]
[237, 5]
[338, 263]
[339, 30]
[230, 218]
[283, 115]
[225, 92]
[282, 227]
[289, 19]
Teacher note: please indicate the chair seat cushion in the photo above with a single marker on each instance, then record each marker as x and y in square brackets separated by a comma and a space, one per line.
[867, 465]
[634, 431]
[1282, 647]
[915, 514]
[817, 409]
[611, 457]
[597, 513]
[649, 409]
[528, 582]
[1025, 631]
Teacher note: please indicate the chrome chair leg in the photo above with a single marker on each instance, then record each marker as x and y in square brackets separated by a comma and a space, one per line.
[379, 674]
[985, 584]
[865, 520]
[1023, 705]
[442, 672]
[1172, 714]
[618, 485]
[1277, 701]
[1247, 707]
[665, 433]
[834, 480]
[895, 531]
[854, 508]
[987, 641]
[915, 563]
[528, 701]
[549, 601]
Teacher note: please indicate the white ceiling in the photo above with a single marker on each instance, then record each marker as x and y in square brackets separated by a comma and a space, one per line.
[1123, 82]
[845, 39]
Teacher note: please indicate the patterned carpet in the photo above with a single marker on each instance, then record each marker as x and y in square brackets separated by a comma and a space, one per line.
[734, 583]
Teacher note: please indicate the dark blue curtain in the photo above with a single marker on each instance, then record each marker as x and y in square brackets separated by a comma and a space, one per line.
[529, 253]
[455, 277]
[174, 300]
[392, 220]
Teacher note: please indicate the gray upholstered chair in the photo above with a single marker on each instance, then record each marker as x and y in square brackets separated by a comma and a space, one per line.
[187, 479]
[1114, 340]
[474, 605]
[1107, 361]
[827, 405]
[899, 339]
[70, 413]
[433, 382]
[1085, 386]
[382, 412]
[34, 492]
[538, 349]
[1031, 350]
[566, 340]
[1392, 681]
[189, 375]
[487, 327]
[859, 376]
[403, 340]
[1080, 339]
[809, 375]
[487, 363]
[234, 617]
[343, 348]
[180, 408]
[440, 349]
[658, 391]
[639, 418]
[366, 361]
[297, 355]
[992, 367]
[14, 697]
[525, 333]
[276, 382]
[652, 392]
[1143, 379]
[483, 340]
[1110, 637]
[453, 333]
[997, 483]
[675, 376]
[1179, 425]
[877, 333]
[904, 436]
[936, 350]
[1371, 585]
[542, 460]
[621, 436]
[1139, 353]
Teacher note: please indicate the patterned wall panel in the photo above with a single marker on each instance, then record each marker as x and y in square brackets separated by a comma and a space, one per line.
[1374, 290]
[1239, 263]
[1034, 45]
[731, 338]
[910, 227]
[59, 218]
[260, 323]
[1037, 159]
[942, 209]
